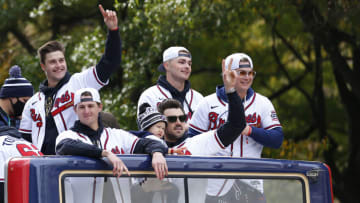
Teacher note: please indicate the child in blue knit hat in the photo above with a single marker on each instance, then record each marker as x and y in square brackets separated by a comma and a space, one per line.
[14, 93]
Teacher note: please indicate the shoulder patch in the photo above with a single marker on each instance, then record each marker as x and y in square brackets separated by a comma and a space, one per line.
[274, 116]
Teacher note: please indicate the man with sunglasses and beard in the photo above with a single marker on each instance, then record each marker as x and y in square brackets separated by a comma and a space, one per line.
[261, 118]
[211, 142]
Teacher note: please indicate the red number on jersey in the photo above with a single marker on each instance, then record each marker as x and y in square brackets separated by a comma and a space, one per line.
[26, 150]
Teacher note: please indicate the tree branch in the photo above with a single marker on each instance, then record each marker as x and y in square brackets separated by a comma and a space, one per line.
[23, 40]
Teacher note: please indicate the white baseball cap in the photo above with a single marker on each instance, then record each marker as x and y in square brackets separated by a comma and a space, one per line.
[171, 53]
[94, 95]
[236, 63]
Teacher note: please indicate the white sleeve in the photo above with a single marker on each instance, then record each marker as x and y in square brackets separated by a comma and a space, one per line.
[87, 78]
[26, 120]
[269, 116]
[198, 97]
[146, 97]
[200, 120]
[205, 144]
[125, 140]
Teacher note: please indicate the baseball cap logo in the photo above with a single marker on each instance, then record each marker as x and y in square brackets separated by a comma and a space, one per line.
[184, 54]
[244, 64]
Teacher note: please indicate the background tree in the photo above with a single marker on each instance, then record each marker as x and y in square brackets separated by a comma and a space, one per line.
[306, 54]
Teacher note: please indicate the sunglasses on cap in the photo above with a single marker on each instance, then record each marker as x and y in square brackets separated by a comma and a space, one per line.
[173, 119]
[244, 73]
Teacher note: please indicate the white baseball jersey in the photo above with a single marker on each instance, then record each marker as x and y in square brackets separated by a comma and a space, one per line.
[33, 117]
[117, 141]
[155, 94]
[11, 147]
[212, 113]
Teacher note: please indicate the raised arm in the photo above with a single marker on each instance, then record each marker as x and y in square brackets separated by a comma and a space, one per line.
[236, 122]
[112, 55]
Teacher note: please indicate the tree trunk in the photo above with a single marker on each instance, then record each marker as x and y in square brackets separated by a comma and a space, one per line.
[346, 181]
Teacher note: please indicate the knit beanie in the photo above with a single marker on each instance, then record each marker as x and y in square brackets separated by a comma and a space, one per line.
[148, 116]
[16, 85]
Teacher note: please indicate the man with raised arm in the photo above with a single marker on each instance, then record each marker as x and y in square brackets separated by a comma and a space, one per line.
[50, 111]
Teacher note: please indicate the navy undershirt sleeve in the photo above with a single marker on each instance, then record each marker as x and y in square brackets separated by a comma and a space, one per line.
[270, 138]
[235, 123]
[111, 59]
[193, 132]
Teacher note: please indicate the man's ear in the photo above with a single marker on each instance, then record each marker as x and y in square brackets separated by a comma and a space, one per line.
[166, 65]
[74, 108]
[101, 106]
[42, 66]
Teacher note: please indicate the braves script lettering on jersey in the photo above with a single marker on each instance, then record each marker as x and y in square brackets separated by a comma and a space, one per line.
[155, 94]
[33, 117]
[212, 113]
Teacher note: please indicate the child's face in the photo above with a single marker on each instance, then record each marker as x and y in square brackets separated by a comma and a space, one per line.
[158, 129]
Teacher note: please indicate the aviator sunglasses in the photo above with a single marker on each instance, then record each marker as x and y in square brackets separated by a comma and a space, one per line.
[173, 119]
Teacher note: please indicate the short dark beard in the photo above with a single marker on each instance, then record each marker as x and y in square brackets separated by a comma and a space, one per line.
[170, 137]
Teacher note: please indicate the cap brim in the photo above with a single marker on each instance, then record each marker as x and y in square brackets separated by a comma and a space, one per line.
[161, 68]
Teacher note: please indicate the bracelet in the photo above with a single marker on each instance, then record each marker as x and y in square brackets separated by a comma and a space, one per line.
[171, 151]
[250, 130]
[114, 29]
[231, 90]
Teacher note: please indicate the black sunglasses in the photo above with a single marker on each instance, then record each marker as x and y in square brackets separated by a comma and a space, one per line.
[173, 119]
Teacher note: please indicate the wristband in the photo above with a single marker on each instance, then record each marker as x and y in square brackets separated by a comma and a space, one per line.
[114, 29]
[250, 130]
[171, 151]
[231, 90]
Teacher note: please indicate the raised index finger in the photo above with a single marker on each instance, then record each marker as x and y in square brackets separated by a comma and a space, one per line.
[102, 10]
[230, 63]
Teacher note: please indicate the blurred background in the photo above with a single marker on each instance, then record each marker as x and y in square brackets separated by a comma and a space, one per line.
[306, 55]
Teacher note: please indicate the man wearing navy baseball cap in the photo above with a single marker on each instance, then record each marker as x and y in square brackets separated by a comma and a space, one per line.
[14, 93]
[175, 83]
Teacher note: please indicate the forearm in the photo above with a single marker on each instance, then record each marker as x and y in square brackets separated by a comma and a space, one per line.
[270, 138]
[76, 147]
[112, 56]
[235, 122]
[149, 146]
